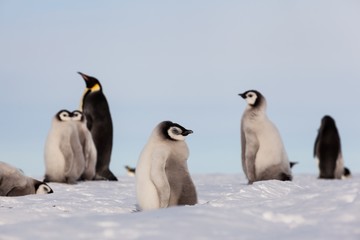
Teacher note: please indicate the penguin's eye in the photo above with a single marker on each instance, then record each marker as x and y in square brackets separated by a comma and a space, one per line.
[250, 95]
[176, 131]
[77, 116]
[64, 116]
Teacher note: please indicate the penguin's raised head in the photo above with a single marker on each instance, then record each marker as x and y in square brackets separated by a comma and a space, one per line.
[174, 131]
[327, 120]
[91, 83]
[252, 97]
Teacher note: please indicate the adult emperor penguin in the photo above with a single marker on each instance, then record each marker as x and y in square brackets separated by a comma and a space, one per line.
[162, 176]
[64, 159]
[14, 183]
[327, 150]
[96, 109]
[262, 151]
[87, 144]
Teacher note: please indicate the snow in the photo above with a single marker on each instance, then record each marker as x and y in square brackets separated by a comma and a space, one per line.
[306, 208]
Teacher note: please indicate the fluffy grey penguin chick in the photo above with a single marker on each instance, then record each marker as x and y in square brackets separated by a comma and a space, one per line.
[14, 183]
[64, 157]
[130, 171]
[162, 175]
[263, 153]
[87, 143]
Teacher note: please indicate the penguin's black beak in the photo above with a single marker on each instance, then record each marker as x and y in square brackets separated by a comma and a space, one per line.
[243, 95]
[85, 77]
[89, 81]
[187, 132]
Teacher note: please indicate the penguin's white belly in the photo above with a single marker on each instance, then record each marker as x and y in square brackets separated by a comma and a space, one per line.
[145, 189]
[54, 161]
[271, 149]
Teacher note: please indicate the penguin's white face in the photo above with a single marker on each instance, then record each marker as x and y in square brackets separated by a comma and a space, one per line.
[173, 131]
[77, 116]
[43, 189]
[251, 98]
[176, 134]
[64, 116]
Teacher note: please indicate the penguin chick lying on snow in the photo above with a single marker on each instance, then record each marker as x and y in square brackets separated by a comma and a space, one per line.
[130, 171]
[14, 183]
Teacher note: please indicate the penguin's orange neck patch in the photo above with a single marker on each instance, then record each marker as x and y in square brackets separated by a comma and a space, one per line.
[95, 88]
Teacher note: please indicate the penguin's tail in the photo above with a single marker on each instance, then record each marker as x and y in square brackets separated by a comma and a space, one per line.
[285, 177]
[105, 175]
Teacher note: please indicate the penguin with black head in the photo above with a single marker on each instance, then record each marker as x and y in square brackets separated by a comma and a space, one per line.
[97, 112]
[263, 154]
[327, 150]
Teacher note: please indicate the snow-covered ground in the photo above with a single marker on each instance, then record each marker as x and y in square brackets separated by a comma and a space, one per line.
[306, 208]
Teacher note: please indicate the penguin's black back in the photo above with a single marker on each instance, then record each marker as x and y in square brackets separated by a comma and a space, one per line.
[327, 147]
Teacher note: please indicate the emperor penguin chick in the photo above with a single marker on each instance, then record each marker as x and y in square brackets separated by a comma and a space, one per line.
[64, 158]
[14, 183]
[262, 151]
[87, 143]
[162, 176]
[327, 150]
[130, 171]
[97, 112]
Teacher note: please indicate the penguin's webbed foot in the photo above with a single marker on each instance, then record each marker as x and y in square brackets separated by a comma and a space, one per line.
[99, 178]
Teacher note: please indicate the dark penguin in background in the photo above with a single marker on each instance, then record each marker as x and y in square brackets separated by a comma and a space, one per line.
[96, 109]
[327, 150]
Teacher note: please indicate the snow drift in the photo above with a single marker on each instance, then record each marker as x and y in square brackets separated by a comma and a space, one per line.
[306, 208]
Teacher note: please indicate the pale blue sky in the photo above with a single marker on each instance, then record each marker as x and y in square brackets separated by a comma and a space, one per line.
[184, 61]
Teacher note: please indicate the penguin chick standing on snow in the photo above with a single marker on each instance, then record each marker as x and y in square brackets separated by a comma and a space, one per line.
[162, 176]
[14, 183]
[87, 144]
[327, 150]
[96, 109]
[64, 158]
[262, 151]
